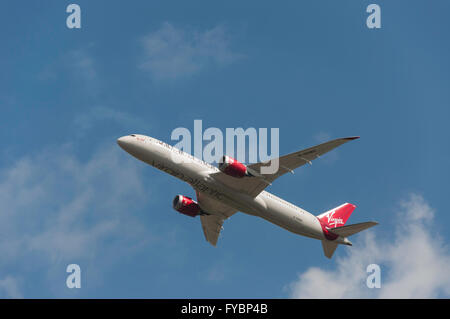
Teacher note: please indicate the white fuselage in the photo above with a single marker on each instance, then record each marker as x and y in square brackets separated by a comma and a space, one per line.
[197, 173]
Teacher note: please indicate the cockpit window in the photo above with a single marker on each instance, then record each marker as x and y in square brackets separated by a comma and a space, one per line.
[133, 135]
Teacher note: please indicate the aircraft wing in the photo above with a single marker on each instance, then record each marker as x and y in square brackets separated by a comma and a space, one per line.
[287, 163]
[212, 223]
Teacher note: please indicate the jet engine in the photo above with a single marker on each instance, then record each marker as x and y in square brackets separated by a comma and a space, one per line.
[233, 167]
[186, 205]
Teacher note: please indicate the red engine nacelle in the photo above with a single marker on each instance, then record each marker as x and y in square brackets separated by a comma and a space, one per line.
[233, 167]
[186, 206]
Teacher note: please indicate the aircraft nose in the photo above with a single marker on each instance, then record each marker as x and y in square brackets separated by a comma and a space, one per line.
[123, 141]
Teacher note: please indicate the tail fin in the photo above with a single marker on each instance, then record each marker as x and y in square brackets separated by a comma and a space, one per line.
[337, 216]
[333, 228]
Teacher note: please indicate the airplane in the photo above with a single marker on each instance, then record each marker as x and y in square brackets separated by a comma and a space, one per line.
[232, 187]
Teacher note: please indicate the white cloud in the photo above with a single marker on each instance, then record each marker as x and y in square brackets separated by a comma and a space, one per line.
[78, 65]
[414, 262]
[9, 288]
[219, 271]
[87, 120]
[216, 274]
[82, 63]
[171, 53]
[78, 61]
[56, 208]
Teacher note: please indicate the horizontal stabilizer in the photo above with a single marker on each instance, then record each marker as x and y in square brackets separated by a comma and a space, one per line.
[345, 231]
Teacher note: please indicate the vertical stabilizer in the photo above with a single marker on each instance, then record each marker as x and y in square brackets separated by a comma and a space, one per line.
[336, 217]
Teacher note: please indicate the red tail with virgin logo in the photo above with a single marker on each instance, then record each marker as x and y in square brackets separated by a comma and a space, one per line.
[337, 216]
[332, 223]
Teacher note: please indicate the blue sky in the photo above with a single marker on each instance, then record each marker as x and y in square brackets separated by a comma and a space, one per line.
[69, 194]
